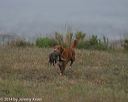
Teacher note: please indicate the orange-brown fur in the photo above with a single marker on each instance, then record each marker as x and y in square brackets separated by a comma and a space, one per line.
[67, 54]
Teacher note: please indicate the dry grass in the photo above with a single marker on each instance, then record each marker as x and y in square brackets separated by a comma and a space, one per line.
[96, 76]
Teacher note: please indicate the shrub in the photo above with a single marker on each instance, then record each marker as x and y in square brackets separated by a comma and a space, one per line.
[125, 45]
[83, 45]
[93, 43]
[45, 42]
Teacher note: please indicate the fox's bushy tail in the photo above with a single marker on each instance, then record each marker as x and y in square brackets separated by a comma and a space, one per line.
[74, 44]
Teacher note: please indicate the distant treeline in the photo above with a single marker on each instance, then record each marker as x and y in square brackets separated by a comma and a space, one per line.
[85, 41]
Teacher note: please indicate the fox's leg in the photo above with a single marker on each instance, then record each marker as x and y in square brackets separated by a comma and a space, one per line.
[72, 60]
[62, 68]
[71, 63]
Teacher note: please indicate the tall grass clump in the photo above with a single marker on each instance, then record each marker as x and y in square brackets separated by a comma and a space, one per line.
[68, 38]
[19, 43]
[64, 39]
[59, 38]
[80, 35]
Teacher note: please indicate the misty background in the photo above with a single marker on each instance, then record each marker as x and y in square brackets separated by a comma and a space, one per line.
[31, 18]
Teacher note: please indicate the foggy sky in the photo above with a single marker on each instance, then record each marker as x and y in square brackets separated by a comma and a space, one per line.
[30, 17]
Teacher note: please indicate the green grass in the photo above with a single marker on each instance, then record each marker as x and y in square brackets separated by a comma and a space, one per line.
[96, 76]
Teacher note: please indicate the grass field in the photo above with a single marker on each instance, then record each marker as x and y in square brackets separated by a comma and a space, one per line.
[96, 76]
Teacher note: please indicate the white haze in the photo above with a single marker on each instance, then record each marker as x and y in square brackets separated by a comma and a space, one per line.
[31, 17]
